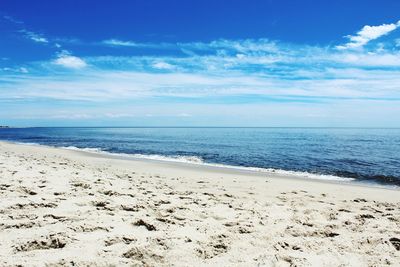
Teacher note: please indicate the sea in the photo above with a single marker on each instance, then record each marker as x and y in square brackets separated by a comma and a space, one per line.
[356, 155]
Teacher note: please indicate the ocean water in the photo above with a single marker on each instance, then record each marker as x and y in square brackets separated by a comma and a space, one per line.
[349, 154]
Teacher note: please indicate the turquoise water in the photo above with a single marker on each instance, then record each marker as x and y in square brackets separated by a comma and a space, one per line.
[364, 155]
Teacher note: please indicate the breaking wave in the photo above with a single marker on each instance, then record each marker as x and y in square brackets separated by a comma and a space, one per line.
[199, 161]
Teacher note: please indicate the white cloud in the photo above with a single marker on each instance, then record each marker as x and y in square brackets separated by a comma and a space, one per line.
[23, 70]
[163, 66]
[117, 115]
[184, 115]
[368, 33]
[69, 61]
[16, 70]
[39, 39]
[116, 42]
[67, 116]
[369, 59]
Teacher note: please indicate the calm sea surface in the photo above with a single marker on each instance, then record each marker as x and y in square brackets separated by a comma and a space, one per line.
[365, 155]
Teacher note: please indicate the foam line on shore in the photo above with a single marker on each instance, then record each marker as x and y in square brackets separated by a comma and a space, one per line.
[199, 161]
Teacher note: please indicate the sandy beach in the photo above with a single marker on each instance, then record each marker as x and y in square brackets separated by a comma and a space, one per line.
[69, 208]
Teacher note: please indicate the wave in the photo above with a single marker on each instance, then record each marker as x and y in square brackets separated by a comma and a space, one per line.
[182, 159]
[375, 180]
[199, 161]
[26, 143]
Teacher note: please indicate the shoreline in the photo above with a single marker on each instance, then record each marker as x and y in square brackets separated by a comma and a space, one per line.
[57, 203]
[203, 166]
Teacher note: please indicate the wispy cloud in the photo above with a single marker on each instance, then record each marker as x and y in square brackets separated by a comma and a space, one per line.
[116, 42]
[12, 20]
[367, 34]
[38, 38]
[34, 36]
[15, 70]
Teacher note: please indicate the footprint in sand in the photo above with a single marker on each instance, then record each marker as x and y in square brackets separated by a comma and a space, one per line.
[219, 244]
[52, 241]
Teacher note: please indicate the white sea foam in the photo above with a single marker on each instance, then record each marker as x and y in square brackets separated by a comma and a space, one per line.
[27, 143]
[183, 159]
[199, 161]
[87, 149]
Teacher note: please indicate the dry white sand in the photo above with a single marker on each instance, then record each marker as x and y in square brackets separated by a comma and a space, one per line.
[61, 207]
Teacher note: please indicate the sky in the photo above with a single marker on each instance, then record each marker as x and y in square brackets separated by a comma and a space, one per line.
[276, 63]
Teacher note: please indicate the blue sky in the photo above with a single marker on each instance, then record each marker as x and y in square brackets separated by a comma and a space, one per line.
[200, 63]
